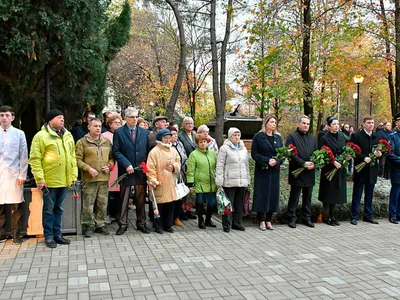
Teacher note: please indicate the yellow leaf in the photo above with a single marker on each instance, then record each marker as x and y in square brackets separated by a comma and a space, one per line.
[271, 50]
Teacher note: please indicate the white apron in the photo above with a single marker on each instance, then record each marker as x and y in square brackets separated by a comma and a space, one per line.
[13, 164]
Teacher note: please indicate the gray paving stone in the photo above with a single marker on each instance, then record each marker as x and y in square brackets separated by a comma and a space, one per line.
[323, 263]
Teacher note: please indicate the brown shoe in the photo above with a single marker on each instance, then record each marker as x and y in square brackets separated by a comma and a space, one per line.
[178, 222]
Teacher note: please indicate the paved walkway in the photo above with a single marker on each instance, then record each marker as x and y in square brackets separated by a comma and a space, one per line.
[346, 262]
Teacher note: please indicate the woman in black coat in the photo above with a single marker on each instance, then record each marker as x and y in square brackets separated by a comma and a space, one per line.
[335, 191]
[266, 174]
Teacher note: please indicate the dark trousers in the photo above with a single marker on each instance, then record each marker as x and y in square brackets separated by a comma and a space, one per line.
[394, 201]
[140, 191]
[358, 188]
[294, 202]
[264, 217]
[53, 199]
[178, 210]
[166, 211]
[15, 218]
[383, 167]
[329, 210]
[113, 206]
[236, 196]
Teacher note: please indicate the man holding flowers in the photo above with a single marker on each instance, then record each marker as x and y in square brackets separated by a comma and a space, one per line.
[365, 179]
[304, 182]
[94, 159]
[130, 149]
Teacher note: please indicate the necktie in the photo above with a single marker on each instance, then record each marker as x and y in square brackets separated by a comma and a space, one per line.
[133, 136]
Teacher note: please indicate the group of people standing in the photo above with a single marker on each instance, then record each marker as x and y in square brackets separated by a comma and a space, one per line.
[332, 191]
[117, 161]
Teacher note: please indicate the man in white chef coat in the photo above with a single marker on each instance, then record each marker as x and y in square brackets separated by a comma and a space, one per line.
[13, 169]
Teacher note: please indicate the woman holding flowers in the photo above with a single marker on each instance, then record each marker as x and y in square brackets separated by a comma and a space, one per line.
[365, 178]
[163, 165]
[334, 191]
[233, 175]
[266, 174]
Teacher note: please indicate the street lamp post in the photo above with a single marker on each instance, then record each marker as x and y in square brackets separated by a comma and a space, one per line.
[358, 79]
[355, 96]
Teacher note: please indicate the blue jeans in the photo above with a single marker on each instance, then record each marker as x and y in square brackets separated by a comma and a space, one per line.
[356, 199]
[209, 198]
[394, 201]
[53, 210]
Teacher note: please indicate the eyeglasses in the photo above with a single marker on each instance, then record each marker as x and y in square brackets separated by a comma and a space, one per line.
[132, 117]
[189, 124]
[118, 123]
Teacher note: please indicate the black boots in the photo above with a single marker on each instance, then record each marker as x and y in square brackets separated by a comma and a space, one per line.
[208, 221]
[200, 212]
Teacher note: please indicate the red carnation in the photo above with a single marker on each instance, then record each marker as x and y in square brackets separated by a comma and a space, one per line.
[208, 140]
[143, 166]
[111, 166]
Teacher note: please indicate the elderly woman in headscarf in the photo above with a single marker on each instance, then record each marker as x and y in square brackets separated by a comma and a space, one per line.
[232, 173]
[212, 144]
[163, 165]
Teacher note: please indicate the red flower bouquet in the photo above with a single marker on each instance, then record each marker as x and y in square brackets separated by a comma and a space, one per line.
[383, 146]
[349, 151]
[142, 167]
[286, 153]
[320, 158]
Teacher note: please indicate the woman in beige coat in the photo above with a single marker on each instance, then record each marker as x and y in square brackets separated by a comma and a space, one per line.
[163, 164]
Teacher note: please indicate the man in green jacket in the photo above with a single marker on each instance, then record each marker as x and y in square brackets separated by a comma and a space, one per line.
[53, 163]
[94, 158]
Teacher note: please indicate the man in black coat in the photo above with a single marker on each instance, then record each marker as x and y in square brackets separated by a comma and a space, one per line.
[130, 149]
[80, 130]
[366, 178]
[306, 145]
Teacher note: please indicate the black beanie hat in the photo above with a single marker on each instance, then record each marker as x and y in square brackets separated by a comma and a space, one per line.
[51, 114]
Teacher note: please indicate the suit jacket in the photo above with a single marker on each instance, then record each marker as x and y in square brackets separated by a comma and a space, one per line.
[306, 145]
[189, 145]
[127, 153]
[368, 174]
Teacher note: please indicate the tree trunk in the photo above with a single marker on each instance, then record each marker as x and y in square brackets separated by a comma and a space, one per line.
[305, 62]
[388, 57]
[396, 108]
[215, 80]
[182, 63]
[219, 88]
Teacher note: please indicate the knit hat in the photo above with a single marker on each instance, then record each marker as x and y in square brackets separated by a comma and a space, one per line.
[51, 114]
[232, 130]
[161, 133]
